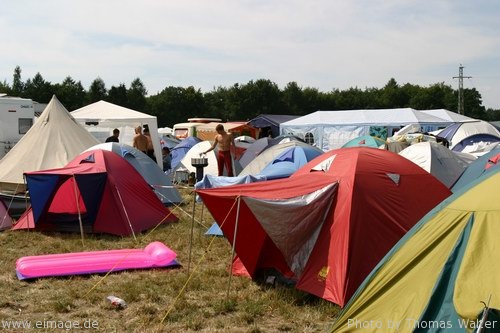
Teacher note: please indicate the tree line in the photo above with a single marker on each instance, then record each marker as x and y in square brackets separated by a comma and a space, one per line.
[241, 102]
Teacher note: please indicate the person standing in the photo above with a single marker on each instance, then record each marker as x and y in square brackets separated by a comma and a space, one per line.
[167, 159]
[140, 141]
[224, 140]
[114, 137]
[150, 149]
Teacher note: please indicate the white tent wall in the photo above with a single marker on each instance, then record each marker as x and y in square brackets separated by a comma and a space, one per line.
[337, 136]
[331, 129]
[109, 116]
[196, 152]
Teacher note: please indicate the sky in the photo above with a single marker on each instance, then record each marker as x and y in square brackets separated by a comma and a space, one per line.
[323, 44]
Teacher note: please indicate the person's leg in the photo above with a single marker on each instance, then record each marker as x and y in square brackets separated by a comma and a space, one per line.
[220, 162]
[228, 163]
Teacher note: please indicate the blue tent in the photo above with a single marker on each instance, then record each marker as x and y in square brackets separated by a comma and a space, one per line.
[289, 161]
[484, 164]
[476, 138]
[261, 145]
[281, 160]
[214, 230]
[179, 151]
[365, 141]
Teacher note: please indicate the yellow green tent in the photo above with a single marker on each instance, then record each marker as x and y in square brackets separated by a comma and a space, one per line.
[437, 275]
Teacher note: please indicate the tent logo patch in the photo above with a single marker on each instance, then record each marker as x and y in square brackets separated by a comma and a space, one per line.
[323, 273]
[394, 177]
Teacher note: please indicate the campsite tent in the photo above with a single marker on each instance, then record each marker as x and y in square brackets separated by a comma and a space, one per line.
[54, 140]
[448, 115]
[365, 141]
[147, 168]
[281, 160]
[459, 131]
[331, 129]
[98, 187]
[442, 163]
[195, 152]
[242, 143]
[5, 219]
[477, 143]
[179, 151]
[262, 144]
[330, 223]
[271, 122]
[253, 150]
[437, 276]
[168, 140]
[483, 165]
[106, 116]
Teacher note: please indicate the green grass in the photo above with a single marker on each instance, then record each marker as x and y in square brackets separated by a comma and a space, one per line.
[159, 300]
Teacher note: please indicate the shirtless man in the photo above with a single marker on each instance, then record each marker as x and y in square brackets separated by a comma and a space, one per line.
[150, 148]
[224, 140]
[140, 141]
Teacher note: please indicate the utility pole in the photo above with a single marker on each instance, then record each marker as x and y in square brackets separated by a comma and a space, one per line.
[460, 78]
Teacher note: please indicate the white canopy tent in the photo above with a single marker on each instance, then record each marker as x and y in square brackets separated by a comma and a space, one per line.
[331, 129]
[104, 116]
[448, 115]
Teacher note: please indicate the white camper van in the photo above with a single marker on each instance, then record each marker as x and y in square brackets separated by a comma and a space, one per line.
[16, 118]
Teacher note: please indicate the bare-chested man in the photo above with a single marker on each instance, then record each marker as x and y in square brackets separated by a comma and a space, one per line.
[140, 141]
[224, 140]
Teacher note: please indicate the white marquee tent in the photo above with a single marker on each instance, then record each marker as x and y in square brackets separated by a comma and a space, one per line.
[448, 115]
[331, 129]
[107, 116]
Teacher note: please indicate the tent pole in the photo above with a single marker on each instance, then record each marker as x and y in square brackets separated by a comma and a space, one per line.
[126, 214]
[201, 217]
[78, 208]
[233, 247]
[192, 231]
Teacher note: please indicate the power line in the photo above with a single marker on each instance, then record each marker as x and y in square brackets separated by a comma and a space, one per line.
[460, 78]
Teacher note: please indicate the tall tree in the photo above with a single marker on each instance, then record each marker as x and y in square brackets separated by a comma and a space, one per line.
[97, 91]
[293, 99]
[118, 95]
[259, 97]
[38, 89]
[175, 105]
[473, 104]
[136, 96]
[217, 103]
[17, 83]
[392, 96]
[70, 93]
[5, 88]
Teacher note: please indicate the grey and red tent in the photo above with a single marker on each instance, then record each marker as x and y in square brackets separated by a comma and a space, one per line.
[331, 222]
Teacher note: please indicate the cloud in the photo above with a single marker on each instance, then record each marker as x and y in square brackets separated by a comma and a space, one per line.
[319, 43]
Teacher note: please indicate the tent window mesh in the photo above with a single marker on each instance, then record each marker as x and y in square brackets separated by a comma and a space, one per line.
[309, 138]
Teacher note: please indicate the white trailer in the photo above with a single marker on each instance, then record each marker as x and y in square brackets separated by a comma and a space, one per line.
[16, 118]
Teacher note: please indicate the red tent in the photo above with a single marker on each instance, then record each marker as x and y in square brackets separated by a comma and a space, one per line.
[331, 222]
[99, 188]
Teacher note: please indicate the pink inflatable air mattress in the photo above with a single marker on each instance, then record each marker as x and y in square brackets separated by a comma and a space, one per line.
[154, 255]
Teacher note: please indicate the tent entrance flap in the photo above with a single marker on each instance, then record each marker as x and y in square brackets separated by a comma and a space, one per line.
[293, 228]
[71, 200]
